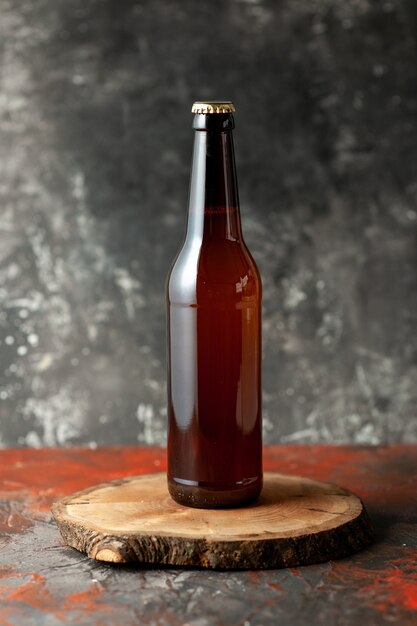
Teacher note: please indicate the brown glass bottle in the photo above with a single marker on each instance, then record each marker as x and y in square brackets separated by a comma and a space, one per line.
[214, 334]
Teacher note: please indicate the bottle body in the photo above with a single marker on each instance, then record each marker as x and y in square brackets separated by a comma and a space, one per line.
[214, 298]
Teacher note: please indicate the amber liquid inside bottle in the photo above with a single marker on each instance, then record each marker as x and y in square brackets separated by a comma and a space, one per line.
[214, 338]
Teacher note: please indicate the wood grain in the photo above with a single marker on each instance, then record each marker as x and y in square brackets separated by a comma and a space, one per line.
[296, 521]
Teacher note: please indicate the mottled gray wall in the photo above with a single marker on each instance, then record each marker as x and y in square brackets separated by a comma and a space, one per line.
[95, 148]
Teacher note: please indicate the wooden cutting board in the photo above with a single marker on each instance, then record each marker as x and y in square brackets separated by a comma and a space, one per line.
[296, 521]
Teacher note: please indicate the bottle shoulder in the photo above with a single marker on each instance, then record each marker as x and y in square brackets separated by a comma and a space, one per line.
[226, 262]
[217, 269]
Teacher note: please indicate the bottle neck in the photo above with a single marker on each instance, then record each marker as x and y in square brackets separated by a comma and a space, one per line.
[214, 203]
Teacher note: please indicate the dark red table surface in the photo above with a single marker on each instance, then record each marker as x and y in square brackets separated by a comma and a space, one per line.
[42, 581]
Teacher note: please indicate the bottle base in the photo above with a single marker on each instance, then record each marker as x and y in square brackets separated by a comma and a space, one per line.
[204, 496]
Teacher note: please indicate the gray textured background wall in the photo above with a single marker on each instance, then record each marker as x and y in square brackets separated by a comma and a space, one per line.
[95, 152]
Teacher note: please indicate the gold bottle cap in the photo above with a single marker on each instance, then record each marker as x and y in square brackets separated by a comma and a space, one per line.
[212, 106]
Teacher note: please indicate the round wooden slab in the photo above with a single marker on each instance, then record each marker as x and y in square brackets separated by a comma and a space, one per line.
[296, 521]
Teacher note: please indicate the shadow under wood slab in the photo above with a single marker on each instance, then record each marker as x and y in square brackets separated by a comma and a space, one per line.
[296, 521]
